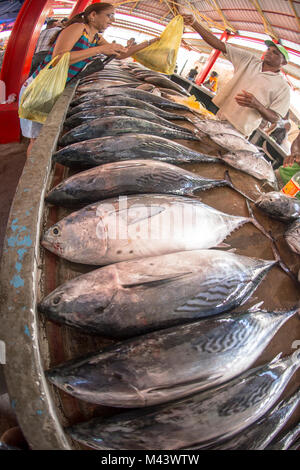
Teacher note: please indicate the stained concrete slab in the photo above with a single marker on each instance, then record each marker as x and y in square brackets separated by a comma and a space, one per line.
[12, 160]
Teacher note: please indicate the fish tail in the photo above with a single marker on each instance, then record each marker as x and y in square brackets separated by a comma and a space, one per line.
[275, 250]
[257, 224]
[231, 185]
[281, 263]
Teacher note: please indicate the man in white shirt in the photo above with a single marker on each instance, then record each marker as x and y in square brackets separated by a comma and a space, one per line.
[257, 90]
[43, 47]
[46, 35]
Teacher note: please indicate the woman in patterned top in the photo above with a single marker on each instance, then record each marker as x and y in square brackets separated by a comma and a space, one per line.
[81, 38]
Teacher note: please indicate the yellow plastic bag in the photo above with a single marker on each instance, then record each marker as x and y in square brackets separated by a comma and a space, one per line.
[161, 56]
[40, 96]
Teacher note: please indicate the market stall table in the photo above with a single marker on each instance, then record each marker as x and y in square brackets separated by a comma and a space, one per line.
[274, 151]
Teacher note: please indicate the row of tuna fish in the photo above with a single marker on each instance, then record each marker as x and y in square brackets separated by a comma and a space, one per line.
[186, 358]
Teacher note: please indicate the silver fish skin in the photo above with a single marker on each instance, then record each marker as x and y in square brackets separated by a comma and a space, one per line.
[134, 93]
[279, 206]
[292, 236]
[119, 100]
[286, 441]
[115, 126]
[95, 113]
[232, 142]
[171, 364]
[129, 177]
[259, 435]
[166, 83]
[96, 152]
[199, 419]
[135, 297]
[254, 164]
[215, 127]
[132, 227]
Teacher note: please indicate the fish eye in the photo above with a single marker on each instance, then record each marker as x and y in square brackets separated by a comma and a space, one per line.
[57, 299]
[56, 231]
[69, 388]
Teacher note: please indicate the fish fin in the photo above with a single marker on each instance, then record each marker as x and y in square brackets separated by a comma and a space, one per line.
[155, 283]
[136, 214]
[223, 245]
[276, 358]
[255, 307]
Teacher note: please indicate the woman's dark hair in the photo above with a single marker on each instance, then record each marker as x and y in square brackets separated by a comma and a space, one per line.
[83, 17]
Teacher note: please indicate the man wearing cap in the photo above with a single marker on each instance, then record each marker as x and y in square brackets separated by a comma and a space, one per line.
[257, 90]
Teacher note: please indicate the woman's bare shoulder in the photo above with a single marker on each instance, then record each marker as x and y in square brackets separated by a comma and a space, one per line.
[75, 28]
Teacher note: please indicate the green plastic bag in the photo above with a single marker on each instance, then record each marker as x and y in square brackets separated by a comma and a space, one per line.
[40, 96]
[161, 56]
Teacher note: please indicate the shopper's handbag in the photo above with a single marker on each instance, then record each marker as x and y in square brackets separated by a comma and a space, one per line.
[40, 96]
[161, 56]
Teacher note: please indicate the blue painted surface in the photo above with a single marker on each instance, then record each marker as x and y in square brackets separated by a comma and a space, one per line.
[21, 252]
[18, 266]
[17, 281]
[26, 331]
[39, 412]
[13, 404]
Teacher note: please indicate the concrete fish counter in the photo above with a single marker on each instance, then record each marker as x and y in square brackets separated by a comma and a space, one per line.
[28, 273]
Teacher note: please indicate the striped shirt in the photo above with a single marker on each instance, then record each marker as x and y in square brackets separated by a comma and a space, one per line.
[82, 43]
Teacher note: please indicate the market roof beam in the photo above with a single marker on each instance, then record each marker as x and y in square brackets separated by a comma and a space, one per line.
[216, 6]
[267, 25]
[295, 12]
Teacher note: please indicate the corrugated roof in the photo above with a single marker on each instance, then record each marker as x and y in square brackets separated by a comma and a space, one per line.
[274, 18]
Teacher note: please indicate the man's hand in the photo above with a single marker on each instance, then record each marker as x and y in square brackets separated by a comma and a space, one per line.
[247, 100]
[188, 20]
[291, 159]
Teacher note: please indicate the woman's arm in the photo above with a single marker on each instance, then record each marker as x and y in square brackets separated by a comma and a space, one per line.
[136, 48]
[70, 36]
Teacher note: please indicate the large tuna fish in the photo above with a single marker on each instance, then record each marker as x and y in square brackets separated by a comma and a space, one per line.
[115, 126]
[142, 95]
[130, 177]
[292, 236]
[96, 152]
[132, 227]
[254, 164]
[261, 433]
[279, 206]
[200, 419]
[129, 111]
[120, 100]
[168, 365]
[134, 297]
